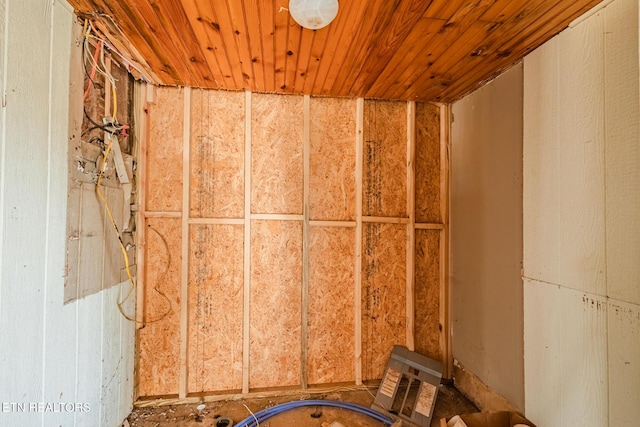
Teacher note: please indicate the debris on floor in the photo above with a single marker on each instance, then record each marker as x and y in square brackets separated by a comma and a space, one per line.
[450, 402]
[488, 419]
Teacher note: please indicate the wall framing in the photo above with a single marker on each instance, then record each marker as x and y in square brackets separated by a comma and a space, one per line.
[349, 234]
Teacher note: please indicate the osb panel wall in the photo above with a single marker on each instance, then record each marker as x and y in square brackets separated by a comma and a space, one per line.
[331, 319]
[159, 340]
[217, 154]
[164, 151]
[276, 279]
[276, 150]
[427, 293]
[215, 307]
[383, 295]
[385, 159]
[241, 328]
[332, 159]
[427, 163]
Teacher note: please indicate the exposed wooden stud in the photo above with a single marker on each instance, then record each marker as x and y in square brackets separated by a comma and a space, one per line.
[445, 308]
[386, 220]
[304, 337]
[312, 391]
[160, 214]
[358, 257]
[184, 271]
[429, 226]
[141, 121]
[333, 223]
[217, 221]
[411, 211]
[247, 244]
[277, 217]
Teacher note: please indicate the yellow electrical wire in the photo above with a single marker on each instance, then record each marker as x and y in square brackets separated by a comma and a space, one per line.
[132, 283]
[120, 302]
[115, 227]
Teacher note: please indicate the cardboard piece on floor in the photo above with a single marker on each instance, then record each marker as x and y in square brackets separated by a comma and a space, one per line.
[493, 419]
[409, 387]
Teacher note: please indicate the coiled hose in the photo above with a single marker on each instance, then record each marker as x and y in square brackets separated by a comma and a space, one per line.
[267, 413]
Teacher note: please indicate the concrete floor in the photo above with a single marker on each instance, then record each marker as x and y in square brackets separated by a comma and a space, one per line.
[449, 402]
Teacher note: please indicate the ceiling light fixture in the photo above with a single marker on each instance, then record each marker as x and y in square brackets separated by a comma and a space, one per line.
[313, 14]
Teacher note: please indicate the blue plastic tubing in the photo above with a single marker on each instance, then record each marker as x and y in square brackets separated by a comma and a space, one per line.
[265, 414]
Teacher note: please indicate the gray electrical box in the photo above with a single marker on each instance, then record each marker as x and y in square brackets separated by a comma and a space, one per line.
[409, 387]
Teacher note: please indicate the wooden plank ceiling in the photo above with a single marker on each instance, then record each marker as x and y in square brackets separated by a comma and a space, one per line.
[419, 50]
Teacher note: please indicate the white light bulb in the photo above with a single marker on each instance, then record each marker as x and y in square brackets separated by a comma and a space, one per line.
[313, 14]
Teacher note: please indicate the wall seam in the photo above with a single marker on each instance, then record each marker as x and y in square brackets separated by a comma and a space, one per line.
[604, 202]
[3, 127]
[47, 225]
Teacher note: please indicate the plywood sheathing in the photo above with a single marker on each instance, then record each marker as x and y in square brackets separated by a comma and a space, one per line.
[217, 154]
[159, 340]
[332, 159]
[385, 148]
[354, 270]
[427, 163]
[427, 293]
[331, 305]
[383, 295]
[277, 164]
[276, 278]
[215, 308]
[164, 151]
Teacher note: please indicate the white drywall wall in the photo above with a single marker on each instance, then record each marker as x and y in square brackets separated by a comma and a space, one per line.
[50, 353]
[582, 223]
[486, 235]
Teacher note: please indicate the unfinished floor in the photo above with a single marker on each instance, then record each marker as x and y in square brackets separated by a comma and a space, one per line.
[450, 402]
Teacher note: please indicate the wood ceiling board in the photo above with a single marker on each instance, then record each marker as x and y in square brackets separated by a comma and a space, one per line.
[376, 15]
[241, 34]
[443, 9]
[294, 48]
[316, 53]
[447, 35]
[374, 48]
[135, 21]
[215, 57]
[229, 34]
[399, 68]
[169, 22]
[281, 37]
[483, 49]
[267, 28]
[254, 34]
[437, 75]
[525, 42]
[138, 66]
[342, 33]
[384, 45]
[305, 52]
[197, 25]
[216, 42]
[101, 13]
[500, 11]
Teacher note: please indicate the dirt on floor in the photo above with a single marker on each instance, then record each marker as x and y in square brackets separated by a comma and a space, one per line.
[218, 414]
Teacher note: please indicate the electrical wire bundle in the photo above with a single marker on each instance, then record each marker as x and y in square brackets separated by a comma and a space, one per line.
[255, 419]
[113, 130]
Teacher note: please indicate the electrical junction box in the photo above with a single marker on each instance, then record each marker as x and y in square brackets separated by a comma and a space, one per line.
[409, 387]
